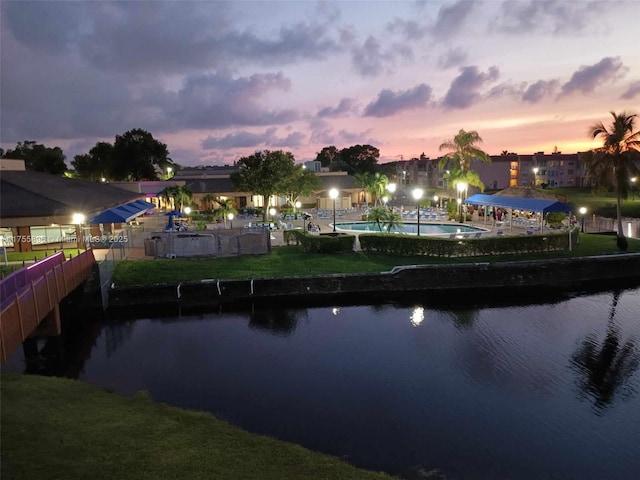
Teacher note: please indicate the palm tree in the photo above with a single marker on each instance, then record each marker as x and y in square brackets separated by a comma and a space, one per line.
[182, 195]
[209, 199]
[385, 219]
[469, 177]
[612, 164]
[393, 221]
[377, 186]
[463, 150]
[224, 209]
[363, 181]
[167, 195]
[377, 215]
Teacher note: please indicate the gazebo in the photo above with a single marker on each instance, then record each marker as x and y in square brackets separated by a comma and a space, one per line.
[536, 205]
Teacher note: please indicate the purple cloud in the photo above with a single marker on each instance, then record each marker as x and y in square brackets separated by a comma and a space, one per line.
[244, 139]
[464, 89]
[452, 58]
[451, 18]
[537, 91]
[389, 102]
[219, 101]
[632, 92]
[587, 78]
[368, 59]
[345, 107]
[555, 16]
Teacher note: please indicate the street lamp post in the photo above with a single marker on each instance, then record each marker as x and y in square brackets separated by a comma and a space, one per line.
[78, 220]
[535, 176]
[633, 188]
[333, 194]
[391, 188]
[461, 187]
[435, 201]
[417, 195]
[230, 217]
[582, 211]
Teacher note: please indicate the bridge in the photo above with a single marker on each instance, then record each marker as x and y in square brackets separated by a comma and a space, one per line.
[30, 298]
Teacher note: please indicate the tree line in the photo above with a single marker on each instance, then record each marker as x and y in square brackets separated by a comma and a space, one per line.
[134, 155]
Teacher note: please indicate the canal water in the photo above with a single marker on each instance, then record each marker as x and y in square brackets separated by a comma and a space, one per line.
[522, 388]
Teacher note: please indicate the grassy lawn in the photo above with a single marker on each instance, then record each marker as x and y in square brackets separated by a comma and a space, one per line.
[40, 254]
[291, 261]
[603, 204]
[29, 257]
[54, 428]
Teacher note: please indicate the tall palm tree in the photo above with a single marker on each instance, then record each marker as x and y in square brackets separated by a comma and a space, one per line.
[463, 149]
[612, 164]
[182, 195]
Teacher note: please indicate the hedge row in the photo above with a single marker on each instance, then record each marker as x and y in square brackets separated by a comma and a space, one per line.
[320, 243]
[464, 247]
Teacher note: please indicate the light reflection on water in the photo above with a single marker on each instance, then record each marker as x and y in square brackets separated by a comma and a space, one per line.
[539, 391]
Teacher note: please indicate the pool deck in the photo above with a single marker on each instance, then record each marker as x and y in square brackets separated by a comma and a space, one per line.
[325, 224]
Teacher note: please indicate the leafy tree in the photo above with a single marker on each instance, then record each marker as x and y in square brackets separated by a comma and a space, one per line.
[463, 150]
[327, 156]
[612, 164]
[136, 154]
[38, 157]
[360, 159]
[265, 173]
[302, 183]
[96, 164]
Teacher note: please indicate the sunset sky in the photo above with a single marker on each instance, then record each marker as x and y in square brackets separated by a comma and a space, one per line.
[216, 81]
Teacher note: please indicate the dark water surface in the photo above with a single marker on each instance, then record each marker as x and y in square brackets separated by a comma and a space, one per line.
[542, 391]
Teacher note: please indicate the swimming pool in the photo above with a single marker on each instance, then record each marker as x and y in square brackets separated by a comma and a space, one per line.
[411, 228]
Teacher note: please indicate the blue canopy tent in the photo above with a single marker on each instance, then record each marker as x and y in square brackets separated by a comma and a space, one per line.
[122, 213]
[537, 205]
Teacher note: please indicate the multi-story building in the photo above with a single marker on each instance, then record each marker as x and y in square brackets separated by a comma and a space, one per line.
[506, 170]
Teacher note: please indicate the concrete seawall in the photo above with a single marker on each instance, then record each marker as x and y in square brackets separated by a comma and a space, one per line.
[560, 274]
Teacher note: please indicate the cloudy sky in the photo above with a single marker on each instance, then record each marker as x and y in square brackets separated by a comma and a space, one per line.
[219, 80]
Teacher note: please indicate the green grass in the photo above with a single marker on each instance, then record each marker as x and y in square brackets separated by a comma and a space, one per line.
[603, 204]
[30, 257]
[54, 428]
[291, 261]
[39, 254]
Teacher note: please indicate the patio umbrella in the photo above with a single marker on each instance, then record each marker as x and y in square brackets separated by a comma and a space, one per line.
[171, 214]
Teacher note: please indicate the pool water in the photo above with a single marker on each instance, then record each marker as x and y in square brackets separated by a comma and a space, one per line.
[426, 228]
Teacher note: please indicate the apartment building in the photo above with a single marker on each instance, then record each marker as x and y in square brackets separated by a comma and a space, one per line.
[506, 170]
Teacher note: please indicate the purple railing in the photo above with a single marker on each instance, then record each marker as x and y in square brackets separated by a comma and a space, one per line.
[21, 279]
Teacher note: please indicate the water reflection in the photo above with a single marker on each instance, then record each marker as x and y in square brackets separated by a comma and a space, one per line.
[463, 318]
[605, 368]
[481, 393]
[277, 321]
[417, 316]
